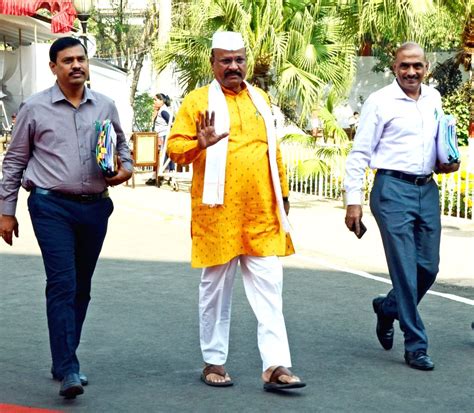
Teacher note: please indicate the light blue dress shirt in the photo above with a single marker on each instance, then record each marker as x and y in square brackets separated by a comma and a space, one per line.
[395, 132]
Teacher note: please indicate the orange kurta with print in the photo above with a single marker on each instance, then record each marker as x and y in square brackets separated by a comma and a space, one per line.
[248, 221]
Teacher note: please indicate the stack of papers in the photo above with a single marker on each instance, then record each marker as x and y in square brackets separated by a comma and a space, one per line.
[105, 149]
[447, 142]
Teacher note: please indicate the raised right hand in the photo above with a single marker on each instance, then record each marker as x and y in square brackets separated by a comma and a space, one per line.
[205, 132]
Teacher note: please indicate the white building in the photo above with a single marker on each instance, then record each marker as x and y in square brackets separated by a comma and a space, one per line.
[24, 69]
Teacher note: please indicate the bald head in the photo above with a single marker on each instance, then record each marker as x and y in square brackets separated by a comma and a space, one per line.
[412, 47]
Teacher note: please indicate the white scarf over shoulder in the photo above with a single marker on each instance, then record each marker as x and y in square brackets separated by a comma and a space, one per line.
[216, 155]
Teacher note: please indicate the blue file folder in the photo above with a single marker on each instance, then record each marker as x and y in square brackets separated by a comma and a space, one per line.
[446, 140]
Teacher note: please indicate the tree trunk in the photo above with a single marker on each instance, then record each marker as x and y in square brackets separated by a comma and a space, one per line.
[148, 33]
[136, 76]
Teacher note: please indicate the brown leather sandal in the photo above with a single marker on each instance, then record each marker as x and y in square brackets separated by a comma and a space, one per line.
[218, 370]
[276, 384]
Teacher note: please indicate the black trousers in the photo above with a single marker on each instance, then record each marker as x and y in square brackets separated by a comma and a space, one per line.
[70, 235]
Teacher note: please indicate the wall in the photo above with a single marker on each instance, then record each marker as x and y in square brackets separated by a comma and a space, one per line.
[367, 81]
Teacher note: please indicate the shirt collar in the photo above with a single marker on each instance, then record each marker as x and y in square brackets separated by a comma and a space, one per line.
[58, 95]
[398, 93]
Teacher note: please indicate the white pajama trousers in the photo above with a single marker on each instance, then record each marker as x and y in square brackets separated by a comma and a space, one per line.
[263, 281]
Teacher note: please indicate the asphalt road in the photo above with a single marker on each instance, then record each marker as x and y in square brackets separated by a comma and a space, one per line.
[140, 344]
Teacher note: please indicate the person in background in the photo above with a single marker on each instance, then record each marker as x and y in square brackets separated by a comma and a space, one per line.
[354, 120]
[161, 119]
[353, 124]
[13, 121]
[161, 116]
[397, 137]
[52, 156]
[239, 211]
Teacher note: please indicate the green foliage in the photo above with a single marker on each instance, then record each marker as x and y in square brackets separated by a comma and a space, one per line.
[294, 48]
[312, 167]
[448, 76]
[456, 198]
[457, 104]
[118, 37]
[327, 155]
[305, 140]
[436, 26]
[440, 30]
[331, 128]
[289, 110]
[142, 112]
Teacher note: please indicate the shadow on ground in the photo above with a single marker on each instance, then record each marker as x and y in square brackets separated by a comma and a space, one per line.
[140, 345]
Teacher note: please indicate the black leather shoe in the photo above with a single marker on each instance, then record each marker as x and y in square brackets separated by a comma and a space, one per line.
[82, 377]
[384, 330]
[419, 360]
[71, 386]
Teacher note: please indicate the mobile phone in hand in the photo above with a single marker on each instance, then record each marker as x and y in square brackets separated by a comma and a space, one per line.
[363, 230]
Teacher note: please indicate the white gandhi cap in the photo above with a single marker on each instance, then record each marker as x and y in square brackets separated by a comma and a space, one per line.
[228, 41]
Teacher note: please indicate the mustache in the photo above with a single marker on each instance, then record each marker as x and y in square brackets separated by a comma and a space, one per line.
[232, 72]
[77, 71]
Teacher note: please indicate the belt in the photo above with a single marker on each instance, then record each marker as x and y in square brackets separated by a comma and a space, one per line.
[72, 197]
[419, 180]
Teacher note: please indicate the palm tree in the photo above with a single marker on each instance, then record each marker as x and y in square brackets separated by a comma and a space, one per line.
[294, 48]
[381, 26]
[387, 24]
[330, 154]
[298, 50]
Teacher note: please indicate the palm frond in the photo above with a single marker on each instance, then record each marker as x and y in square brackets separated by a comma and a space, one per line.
[311, 167]
[307, 141]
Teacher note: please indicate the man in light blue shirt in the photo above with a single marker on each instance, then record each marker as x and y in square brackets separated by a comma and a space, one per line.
[397, 136]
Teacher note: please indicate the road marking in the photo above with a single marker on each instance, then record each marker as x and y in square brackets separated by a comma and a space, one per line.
[364, 274]
[13, 408]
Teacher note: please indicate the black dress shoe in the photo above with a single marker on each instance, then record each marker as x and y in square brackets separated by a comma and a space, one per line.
[419, 360]
[82, 377]
[384, 330]
[71, 386]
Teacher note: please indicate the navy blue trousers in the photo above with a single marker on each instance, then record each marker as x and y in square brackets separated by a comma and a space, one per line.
[70, 235]
[408, 217]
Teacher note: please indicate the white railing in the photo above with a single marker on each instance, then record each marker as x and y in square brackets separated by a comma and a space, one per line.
[456, 190]
[327, 185]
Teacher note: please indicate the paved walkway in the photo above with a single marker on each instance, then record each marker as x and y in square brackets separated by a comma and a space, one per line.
[140, 344]
[318, 225]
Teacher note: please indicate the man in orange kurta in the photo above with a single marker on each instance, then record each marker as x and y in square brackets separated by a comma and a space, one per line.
[238, 210]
